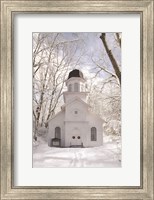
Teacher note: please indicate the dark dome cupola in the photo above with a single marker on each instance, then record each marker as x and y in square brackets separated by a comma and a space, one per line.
[75, 73]
[75, 81]
[76, 86]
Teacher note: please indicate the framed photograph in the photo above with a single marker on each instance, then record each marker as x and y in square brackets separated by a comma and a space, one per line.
[77, 100]
[68, 74]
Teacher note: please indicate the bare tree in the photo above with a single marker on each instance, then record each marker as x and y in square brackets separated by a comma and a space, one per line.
[111, 56]
[53, 57]
[105, 95]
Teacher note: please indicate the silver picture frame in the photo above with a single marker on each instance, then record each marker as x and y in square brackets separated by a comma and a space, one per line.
[8, 10]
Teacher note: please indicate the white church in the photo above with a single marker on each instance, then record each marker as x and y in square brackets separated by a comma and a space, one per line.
[75, 125]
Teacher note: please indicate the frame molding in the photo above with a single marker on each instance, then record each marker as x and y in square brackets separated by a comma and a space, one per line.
[8, 10]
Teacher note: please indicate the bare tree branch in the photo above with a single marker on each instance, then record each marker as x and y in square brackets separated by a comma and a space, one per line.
[118, 39]
[111, 57]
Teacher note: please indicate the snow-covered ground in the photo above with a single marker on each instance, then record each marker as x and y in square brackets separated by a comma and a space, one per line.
[107, 155]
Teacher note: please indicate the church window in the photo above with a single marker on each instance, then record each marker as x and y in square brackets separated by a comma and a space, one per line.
[73, 137]
[57, 132]
[70, 88]
[82, 88]
[93, 134]
[78, 137]
[76, 112]
[76, 87]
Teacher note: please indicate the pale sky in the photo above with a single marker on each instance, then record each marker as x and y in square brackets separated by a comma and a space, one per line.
[95, 50]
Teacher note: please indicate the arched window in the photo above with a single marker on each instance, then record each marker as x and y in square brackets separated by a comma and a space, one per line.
[93, 134]
[82, 88]
[57, 132]
[70, 88]
[76, 87]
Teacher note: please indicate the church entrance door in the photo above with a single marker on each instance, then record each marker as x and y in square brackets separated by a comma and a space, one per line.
[76, 138]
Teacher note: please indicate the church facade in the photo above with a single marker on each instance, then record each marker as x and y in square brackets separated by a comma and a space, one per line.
[75, 125]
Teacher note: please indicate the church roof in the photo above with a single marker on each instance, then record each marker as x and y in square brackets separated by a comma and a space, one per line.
[75, 73]
[76, 99]
[60, 112]
[73, 100]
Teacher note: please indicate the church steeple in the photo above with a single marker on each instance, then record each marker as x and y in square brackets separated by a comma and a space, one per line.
[75, 81]
[75, 86]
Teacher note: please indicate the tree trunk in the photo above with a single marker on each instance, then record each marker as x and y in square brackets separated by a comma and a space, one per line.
[118, 39]
[111, 57]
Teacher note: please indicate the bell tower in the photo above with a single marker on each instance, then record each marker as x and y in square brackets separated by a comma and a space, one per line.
[75, 86]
